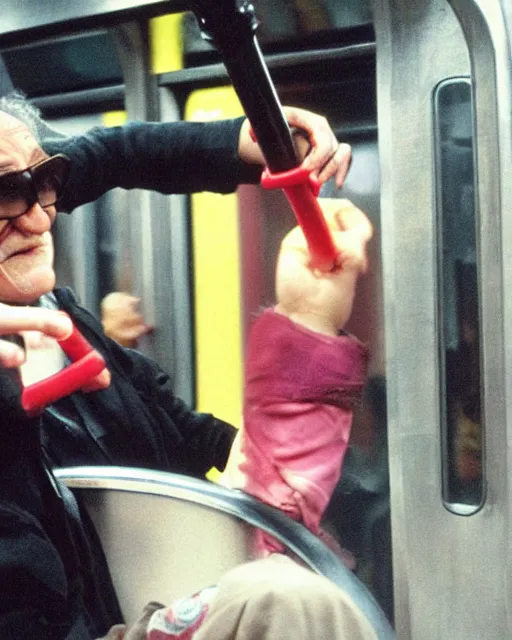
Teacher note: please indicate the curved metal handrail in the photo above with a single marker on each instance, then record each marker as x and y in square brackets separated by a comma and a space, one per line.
[295, 537]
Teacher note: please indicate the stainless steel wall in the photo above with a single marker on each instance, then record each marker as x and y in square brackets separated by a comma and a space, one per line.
[451, 572]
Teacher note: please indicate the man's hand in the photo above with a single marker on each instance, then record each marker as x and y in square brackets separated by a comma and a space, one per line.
[322, 301]
[53, 324]
[15, 320]
[326, 157]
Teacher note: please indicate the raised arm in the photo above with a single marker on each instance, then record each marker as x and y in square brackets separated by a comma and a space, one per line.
[302, 377]
[177, 157]
[322, 301]
[184, 157]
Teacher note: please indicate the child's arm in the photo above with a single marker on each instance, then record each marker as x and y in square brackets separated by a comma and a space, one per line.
[302, 377]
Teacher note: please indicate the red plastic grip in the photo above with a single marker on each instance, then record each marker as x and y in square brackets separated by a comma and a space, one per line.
[75, 346]
[86, 364]
[302, 190]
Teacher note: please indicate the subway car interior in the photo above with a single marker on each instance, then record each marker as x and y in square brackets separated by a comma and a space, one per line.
[422, 91]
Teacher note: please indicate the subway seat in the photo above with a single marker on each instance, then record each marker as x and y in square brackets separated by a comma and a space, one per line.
[166, 536]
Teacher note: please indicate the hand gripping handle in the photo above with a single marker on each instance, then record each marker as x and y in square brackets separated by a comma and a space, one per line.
[231, 25]
[86, 364]
[302, 190]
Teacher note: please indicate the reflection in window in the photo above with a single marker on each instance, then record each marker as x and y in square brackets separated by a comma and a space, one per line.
[72, 63]
[290, 25]
[299, 17]
[463, 486]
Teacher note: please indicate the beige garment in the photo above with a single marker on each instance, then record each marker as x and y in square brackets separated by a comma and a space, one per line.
[138, 630]
[276, 599]
[271, 599]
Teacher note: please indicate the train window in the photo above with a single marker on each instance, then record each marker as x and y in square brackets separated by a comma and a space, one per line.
[66, 64]
[292, 25]
[458, 299]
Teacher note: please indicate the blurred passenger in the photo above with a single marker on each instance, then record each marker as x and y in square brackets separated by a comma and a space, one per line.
[369, 466]
[122, 319]
[464, 413]
[55, 582]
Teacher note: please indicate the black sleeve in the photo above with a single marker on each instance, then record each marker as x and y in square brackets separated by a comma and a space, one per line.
[205, 440]
[35, 599]
[147, 424]
[33, 585]
[174, 157]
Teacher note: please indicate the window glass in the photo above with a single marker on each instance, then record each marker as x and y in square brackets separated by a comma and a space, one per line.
[292, 25]
[460, 356]
[67, 64]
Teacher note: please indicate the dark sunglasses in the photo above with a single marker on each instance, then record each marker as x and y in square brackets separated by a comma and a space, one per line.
[42, 183]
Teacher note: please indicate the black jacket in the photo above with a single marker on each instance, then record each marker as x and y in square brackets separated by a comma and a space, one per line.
[54, 582]
[137, 421]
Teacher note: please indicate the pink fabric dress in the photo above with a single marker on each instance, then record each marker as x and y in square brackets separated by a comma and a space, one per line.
[300, 390]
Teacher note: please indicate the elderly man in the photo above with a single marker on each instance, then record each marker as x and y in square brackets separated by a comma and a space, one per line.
[54, 581]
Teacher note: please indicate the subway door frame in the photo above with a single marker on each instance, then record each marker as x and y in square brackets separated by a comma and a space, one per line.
[434, 551]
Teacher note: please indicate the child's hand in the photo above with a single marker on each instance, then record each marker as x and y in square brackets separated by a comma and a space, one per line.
[318, 300]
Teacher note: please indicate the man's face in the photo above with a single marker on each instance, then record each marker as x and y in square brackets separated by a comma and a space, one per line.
[26, 246]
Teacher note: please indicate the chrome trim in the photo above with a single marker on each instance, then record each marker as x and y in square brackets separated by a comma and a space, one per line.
[448, 298]
[439, 559]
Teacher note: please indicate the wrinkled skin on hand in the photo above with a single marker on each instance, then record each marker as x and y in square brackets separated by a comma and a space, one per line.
[54, 324]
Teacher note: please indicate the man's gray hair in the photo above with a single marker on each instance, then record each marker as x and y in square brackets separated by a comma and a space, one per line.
[17, 105]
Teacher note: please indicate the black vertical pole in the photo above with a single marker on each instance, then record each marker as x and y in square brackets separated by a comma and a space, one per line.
[231, 25]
